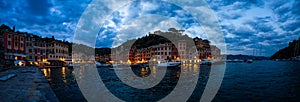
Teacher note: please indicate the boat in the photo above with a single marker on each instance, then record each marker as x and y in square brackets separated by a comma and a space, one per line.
[73, 65]
[249, 60]
[140, 65]
[99, 65]
[164, 63]
[210, 62]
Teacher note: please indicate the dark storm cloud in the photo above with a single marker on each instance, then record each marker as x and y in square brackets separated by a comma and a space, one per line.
[43, 17]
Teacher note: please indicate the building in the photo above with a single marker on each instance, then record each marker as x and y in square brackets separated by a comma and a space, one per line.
[56, 51]
[35, 49]
[14, 46]
[1, 46]
[182, 48]
[162, 52]
[121, 54]
[203, 48]
[166, 51]
[215, 52]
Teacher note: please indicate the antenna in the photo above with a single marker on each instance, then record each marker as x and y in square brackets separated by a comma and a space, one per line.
[260, 50]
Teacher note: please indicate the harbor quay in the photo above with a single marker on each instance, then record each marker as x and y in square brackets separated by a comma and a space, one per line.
[25, 84]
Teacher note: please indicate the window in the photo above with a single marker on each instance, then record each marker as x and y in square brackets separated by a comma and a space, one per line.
[9, 42]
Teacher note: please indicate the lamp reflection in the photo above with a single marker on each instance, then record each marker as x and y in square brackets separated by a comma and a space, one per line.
[63, 72]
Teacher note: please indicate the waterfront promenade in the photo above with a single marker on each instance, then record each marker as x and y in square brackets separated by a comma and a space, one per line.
[25, 84]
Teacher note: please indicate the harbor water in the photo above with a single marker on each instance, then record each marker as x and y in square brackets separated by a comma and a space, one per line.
[258, 81]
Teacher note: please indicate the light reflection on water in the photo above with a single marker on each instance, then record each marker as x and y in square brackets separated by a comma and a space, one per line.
[63, 83]
[259, 81]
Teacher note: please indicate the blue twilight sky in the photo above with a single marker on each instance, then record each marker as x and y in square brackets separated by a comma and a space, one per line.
[246, 24]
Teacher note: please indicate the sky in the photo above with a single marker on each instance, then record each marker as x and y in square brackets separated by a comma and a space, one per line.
[264, 26]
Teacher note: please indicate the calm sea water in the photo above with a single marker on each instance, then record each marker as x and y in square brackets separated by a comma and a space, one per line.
[258, 81]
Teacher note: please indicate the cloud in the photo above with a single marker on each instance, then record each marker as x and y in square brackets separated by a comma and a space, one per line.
[245, 24]
[43, 17]
[270, 24]
[139, 18]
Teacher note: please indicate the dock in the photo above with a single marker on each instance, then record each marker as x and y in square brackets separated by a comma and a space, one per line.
[19, 84]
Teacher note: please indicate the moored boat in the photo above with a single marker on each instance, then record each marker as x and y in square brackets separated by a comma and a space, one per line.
[168, 64]
[249, 60]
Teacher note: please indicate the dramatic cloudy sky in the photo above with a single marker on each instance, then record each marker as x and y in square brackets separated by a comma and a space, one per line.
[246, 24]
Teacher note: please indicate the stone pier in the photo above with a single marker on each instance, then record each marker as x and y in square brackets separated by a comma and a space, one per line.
[25, 84]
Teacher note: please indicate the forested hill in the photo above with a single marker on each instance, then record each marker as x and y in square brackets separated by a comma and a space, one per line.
[292, 50]
[155, 39]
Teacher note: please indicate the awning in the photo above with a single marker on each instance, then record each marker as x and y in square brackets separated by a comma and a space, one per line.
[22, 55]
[57, 61]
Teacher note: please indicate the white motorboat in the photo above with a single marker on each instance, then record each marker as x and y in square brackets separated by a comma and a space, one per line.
[168, 64]
[102, 65]
[249, 60]
[210, 62]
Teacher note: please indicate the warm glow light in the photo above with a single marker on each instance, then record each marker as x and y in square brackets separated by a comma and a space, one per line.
[128, 61]
[63, 71]
[143, 60]
[16, 58]
[20, 63]
[45, 72]
[209, 58]
[178, 58]
[44, 60]
[154, 71]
